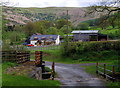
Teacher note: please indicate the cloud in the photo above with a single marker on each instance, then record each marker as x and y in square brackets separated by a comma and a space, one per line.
[50, 3]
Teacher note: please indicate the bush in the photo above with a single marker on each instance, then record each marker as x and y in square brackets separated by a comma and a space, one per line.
[91, 50]
[82, 26]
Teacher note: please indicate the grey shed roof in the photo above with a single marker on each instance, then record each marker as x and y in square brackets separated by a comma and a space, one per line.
[85, 31]
[54, 37]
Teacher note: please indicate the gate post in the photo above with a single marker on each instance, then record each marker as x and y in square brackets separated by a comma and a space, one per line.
[113, 72]
[104, 70]
[53, 70]
[38, 58]
[97, 68]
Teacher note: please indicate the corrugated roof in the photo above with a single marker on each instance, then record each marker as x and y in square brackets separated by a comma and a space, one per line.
[85, 31]
[54, 37]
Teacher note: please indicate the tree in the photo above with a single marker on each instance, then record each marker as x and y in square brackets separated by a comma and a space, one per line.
[18, 28]
[60, 23]
[82, 26]
[106, 9]
[104, 23]
[65, 29]
[4, 3]
[107, 6]
[29, 28]
[113, 20]
[52, 30]
[42, 26]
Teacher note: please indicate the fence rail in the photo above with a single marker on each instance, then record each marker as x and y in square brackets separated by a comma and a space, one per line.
[15, 56]
[110, 75]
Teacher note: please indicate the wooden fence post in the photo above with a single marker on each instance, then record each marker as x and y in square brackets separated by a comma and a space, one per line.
[38, 58]
[104, 70]
[113, 72]
[53, 70]
[97, 68]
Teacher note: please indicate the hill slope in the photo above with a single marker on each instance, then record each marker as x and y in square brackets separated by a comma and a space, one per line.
[24, 15]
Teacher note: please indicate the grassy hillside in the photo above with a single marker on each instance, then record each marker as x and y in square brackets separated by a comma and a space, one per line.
[24, 15]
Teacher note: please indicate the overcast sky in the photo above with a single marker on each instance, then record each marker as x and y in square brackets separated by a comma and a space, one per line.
[51, 3]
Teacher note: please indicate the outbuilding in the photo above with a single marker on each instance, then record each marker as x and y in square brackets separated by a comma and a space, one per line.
[88, 35]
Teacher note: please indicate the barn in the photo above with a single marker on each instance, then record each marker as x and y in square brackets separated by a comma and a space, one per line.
[88, 35]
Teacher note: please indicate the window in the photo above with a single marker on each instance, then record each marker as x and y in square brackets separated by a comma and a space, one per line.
[35, 38]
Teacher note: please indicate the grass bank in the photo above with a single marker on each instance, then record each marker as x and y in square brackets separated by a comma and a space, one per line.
[91, 57]
[92, 70]
[11, 80]
[14, 80]
[0, 74]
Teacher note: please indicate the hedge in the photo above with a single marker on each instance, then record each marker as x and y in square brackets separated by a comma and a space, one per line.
[71, 48]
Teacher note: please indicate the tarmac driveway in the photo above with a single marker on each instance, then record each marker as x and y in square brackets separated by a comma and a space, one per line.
[74, 75]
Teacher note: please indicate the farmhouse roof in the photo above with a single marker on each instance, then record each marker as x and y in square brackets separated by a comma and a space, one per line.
[85, 31]
[40, 37]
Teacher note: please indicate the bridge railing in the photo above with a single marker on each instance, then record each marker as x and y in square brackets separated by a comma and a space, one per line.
[106, 73]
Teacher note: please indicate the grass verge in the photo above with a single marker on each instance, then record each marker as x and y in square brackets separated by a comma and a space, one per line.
[55, 55]
[92, 70]
[0, 74]
[14, 80]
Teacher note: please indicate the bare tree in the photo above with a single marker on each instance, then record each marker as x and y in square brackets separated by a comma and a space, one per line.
[4, 3]
[107, 6]
[105, 9]
[7, 3]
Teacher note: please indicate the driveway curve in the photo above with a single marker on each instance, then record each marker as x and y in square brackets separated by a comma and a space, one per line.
[74, 75]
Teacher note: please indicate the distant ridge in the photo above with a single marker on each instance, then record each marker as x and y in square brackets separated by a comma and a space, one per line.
[18, 15]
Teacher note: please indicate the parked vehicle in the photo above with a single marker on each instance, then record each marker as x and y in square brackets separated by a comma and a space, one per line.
[30, 45]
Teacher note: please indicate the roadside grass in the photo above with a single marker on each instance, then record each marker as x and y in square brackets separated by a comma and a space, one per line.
[5, 65]
[56, 56]
[113, 85]
[0, 74]
[15, 80]
[54, 51]
[92, 70]
[48, 69]
[12, 80]
[43, 48]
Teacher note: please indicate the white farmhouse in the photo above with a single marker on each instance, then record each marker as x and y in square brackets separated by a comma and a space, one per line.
[39, 40]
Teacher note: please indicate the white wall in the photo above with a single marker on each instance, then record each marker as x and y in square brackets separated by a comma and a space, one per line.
[33, 42]
[57, 41]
